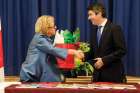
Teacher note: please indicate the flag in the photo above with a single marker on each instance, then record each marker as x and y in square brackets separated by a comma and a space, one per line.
[1, 57]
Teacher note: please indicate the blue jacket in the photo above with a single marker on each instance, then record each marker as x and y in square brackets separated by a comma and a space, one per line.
[40, 64]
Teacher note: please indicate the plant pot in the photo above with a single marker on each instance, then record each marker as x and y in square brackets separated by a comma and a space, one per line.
[68, 63]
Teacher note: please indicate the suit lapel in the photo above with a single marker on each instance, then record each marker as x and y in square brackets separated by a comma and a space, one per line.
[93, 36]
[104, 33]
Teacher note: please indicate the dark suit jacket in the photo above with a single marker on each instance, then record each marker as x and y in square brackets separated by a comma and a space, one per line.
[111, 49]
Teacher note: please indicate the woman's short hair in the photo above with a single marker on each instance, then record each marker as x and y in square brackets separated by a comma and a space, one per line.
[43, 23]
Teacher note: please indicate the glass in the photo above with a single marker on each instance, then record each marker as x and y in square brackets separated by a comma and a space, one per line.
[53, 27]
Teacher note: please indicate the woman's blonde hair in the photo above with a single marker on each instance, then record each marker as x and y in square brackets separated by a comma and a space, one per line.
[43, 23]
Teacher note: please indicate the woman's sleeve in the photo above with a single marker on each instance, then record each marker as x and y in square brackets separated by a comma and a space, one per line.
[45, 46]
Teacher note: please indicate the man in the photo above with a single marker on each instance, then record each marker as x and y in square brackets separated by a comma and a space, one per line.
[40, 64]
[107, 46]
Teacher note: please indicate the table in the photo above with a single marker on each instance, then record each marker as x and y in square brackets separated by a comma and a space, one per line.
[5, 84]
[15, 89]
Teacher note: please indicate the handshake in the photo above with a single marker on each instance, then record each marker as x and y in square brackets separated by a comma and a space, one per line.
[78, 53]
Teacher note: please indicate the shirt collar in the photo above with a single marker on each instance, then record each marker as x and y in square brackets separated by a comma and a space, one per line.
[49, 39]
[103, 23]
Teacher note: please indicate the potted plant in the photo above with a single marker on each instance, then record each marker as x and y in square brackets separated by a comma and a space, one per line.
[79, 67]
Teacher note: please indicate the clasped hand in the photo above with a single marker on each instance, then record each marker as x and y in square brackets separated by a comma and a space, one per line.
[99, 63]
[79, 54]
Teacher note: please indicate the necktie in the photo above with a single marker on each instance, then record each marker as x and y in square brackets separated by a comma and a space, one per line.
[99, 34]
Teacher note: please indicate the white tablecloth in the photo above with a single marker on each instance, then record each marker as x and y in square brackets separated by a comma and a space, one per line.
[6, 84]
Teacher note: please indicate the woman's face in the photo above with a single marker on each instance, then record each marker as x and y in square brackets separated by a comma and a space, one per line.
[51, 30]
[51, 27]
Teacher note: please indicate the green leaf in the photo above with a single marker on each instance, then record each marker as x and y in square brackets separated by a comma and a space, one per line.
[76, 35]
[77, 62]
[68, 37]
[84, 47]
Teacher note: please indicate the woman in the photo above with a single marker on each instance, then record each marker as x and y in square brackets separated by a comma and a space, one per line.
[40, 64]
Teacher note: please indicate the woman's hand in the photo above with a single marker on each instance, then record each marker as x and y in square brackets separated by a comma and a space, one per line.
[78, 53]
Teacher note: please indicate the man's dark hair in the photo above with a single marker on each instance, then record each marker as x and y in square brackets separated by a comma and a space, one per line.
[97, 7]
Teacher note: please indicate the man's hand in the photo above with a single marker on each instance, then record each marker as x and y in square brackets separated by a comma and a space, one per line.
[79, 54]
[99, 63]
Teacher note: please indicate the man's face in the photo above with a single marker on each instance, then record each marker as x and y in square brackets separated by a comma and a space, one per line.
[93, 17]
